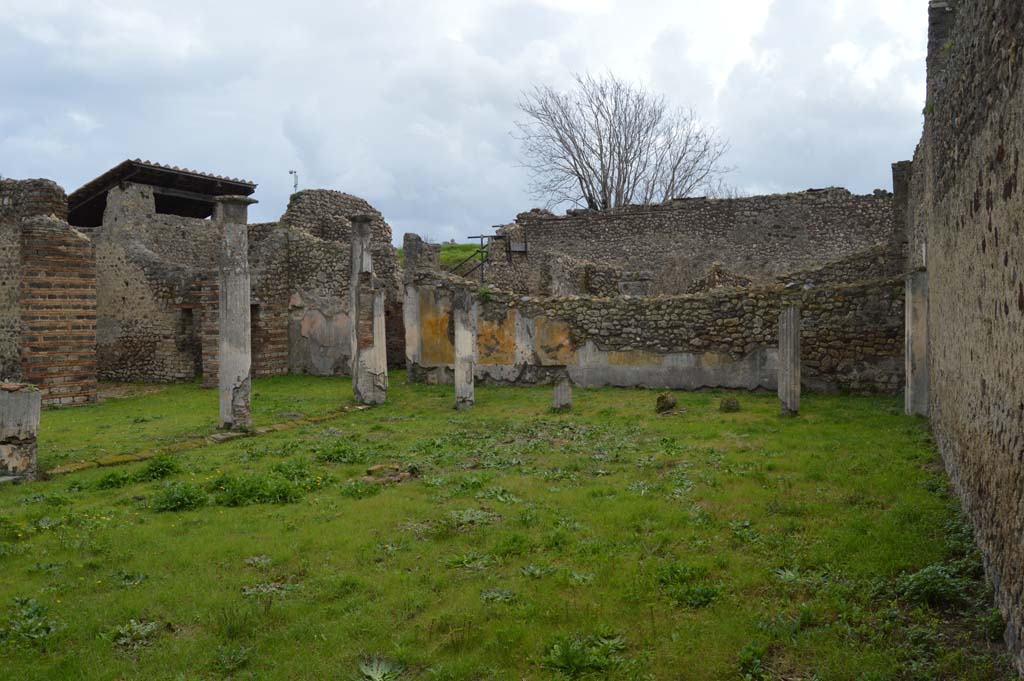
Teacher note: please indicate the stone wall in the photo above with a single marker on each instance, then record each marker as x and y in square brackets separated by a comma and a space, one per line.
[157, 287]
[852, 336]
[10, 303]
[149, 268]
[319, 234]
[964, 225]
[47, 294]
[764, 237]
[269, 262]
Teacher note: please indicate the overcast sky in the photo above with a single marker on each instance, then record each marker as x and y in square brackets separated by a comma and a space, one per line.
[410, 103]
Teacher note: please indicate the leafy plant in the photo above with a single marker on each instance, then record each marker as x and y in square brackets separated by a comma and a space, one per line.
[934, 586]
[115, 480]
[231, 658]
[688, 585]
[253, 488]
[178, 496]
[471, 517]
[357, 489]
[343, 453]
[158, 468]
[29, 625]
[133, 634]
[128, 579]
[379, 669]
[471, 560]
[497, 596]
[752, 665]
[577, 655]
[535, 572]
[298, 472]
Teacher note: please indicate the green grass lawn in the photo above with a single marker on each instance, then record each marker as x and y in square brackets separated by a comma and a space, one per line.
[451, 254]
[171, 414]
[606, 543]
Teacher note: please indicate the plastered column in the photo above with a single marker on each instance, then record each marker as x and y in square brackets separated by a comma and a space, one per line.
[464, 317]
[366, 309]
[789, 361]
[561, 395]
[234, 343]
[411, 317]
[916, 344]
[20, 406]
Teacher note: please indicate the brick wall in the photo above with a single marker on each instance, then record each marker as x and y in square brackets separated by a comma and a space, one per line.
[58, 309]
[47, 294]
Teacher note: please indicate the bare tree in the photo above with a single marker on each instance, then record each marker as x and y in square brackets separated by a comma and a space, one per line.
[607, 143]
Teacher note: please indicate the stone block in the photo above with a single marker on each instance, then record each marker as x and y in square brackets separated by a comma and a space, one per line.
[20, 407]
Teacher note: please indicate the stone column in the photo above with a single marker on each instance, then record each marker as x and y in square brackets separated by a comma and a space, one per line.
[366, 310]
[915, 396]
[412, 249]
[20, 405]
[789, 360]
[561, 396]
[234, 344]
[465, 347]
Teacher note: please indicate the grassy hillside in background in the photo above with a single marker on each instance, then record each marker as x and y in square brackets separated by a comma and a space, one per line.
[451, 254]
[605, 543]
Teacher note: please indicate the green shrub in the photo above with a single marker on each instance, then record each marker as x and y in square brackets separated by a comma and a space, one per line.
[934, 586]
[158, 468]
[178, 496]
[253, 488]
[343, 453]
[29, 625]
[231, 658]
[688, 585]
[357, 489]
[379, 669]
[297, 471]
[133, 634]
[752, 665]
[114, 480]
[578, 655]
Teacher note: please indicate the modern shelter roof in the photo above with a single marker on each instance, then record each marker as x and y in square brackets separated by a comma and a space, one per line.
[179, 191]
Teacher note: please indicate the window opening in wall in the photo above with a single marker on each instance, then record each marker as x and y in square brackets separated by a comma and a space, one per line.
[182, 204]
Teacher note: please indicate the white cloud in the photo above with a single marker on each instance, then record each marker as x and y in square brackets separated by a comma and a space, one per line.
[411, 104]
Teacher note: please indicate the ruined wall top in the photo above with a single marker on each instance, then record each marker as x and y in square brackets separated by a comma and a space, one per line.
[762, 237]
[21, 199]
[327, 214]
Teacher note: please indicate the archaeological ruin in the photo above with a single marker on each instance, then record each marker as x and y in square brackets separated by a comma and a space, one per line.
[919, 290]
